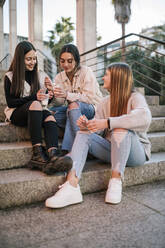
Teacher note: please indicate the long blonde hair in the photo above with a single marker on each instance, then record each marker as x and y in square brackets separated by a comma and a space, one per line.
[121, 86]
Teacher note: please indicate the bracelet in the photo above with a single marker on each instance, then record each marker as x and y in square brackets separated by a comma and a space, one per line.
[109, 124]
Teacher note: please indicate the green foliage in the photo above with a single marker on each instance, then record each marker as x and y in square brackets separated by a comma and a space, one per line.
[60, 35]
[148, 69]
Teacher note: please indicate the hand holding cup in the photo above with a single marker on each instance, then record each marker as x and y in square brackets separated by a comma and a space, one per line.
[43, 97]
[48, 84]
[58, 92]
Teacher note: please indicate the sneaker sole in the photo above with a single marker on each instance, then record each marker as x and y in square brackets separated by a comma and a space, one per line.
[62, 206]
[113, 203]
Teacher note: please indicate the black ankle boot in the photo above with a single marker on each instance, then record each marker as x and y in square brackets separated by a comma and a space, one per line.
[39, 158]
[63, 164]
[63, 153]
[53, 156]
[60, 164]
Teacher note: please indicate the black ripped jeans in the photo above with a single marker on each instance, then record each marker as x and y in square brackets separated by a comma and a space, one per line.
[35, 121]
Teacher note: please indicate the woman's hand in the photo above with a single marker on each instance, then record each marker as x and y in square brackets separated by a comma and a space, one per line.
[59, 93]
[82, 122]
[95, 125]
[48, 84]
[50, 94]
[41, 95]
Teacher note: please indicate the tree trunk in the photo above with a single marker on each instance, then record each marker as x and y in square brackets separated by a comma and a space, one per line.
[123, 42]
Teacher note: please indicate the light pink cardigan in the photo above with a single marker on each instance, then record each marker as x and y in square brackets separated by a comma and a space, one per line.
[84, 87]
[137, 119]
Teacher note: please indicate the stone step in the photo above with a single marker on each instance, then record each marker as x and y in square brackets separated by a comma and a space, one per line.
[157, 124]
[2, 115]
[2, 102]
[23, 186]
[157, 141]
[157, 110]
[11, 133]
[152, 100]
[2, 94]
[17, 154]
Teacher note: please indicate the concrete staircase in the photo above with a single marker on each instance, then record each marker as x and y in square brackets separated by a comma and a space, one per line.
[19, 185]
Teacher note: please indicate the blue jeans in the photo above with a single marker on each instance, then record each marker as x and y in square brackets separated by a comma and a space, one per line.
[67, 119]
[124, 148]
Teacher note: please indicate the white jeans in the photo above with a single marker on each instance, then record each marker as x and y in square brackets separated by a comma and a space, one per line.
[124, 148]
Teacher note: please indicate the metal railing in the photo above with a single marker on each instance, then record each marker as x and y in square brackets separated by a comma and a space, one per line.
[147, 61]
[5, 62]
[145, 55]
[46, 64]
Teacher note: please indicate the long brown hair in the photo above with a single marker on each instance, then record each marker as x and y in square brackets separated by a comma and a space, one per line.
[18, 68]
[121, 86]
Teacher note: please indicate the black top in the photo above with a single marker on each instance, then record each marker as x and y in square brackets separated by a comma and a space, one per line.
[12, 101]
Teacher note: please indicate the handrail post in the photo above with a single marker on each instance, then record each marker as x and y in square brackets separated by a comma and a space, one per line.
[105, 58]
[123, 42]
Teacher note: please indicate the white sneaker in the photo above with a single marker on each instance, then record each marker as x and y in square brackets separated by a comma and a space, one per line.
[114, 191]
[66, 195]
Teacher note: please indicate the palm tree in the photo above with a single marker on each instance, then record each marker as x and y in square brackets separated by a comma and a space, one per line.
[122, 15]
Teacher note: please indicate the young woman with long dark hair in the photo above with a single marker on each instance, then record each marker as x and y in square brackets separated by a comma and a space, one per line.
[25, 90]
[76, 85]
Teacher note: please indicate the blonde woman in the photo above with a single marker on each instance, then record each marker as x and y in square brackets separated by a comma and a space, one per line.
[117, 135]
